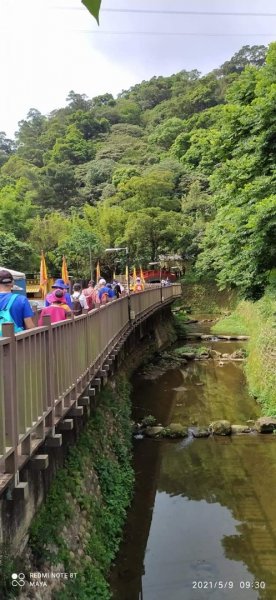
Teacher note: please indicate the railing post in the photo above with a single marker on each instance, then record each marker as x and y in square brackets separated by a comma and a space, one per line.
[11, 405]
[46, 322]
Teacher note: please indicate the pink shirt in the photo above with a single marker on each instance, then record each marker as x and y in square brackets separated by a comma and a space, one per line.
[56, 312]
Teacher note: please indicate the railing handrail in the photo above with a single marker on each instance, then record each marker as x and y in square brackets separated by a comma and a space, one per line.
[43, 371]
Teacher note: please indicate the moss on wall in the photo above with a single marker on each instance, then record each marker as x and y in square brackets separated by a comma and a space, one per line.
[79, 527]
[206, 298]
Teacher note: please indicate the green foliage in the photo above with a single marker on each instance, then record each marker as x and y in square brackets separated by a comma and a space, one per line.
[105, 448]
[9, 564]
[13, 252]
[76, 246]
[93, 7]
[149, 421]
[196, 153]
[258, 321]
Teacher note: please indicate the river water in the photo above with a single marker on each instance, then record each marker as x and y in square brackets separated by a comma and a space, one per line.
[203, 520]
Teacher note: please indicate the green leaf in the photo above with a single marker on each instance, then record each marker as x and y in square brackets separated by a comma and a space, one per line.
[94, 7]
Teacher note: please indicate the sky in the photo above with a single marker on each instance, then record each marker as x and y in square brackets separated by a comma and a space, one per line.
[49, 47]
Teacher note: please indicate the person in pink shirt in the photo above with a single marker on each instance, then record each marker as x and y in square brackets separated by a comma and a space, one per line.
[58, 309]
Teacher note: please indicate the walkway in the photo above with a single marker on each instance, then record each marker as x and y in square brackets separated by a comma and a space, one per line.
[45, 372]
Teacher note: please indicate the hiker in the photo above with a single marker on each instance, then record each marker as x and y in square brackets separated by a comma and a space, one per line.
[59, 285]
[58, 309]
[14, 308]
[104, 293]
[138, 286]
[90, 294]
[78, 300]
[117, 288]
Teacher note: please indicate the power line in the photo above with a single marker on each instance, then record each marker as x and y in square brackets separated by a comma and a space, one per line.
[174, 12]
[176, 33]
[186, 12]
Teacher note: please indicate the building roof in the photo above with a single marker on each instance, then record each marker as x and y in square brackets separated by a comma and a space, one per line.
[15, 274]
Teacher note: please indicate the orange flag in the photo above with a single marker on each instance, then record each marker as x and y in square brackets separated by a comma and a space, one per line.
[64, 271]
[134, 274]
[142, 275]
[43, 276]
[98, 272]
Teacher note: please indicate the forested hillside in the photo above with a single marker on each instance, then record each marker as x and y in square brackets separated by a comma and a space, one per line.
[180, 164]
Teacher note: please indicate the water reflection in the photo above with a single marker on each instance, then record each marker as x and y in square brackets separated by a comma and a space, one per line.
[204, 511]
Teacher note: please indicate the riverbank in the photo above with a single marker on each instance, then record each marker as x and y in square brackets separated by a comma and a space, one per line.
[257, 320]
[202, 507]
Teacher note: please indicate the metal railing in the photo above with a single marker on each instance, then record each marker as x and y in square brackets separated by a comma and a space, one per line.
[43, 371]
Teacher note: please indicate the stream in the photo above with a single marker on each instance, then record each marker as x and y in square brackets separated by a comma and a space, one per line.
[202, 524]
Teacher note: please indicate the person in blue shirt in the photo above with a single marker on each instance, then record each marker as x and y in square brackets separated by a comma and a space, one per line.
[59, 285]
[105, 293]
[21, 310]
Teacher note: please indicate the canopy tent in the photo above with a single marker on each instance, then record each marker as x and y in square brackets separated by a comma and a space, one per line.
[20, 280]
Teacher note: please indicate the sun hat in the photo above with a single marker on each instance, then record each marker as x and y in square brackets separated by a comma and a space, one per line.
[59, 283]
[58, 296]
[102, 282]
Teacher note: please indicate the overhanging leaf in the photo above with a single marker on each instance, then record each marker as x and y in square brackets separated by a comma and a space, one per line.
[94, 7]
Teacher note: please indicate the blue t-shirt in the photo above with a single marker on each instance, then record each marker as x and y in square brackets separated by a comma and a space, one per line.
[106, 290]
[20, 310]
[66, 296]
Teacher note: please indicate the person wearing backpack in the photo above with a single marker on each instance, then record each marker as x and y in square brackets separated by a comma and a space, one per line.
[58, 309]
[78, 300]
[105, 293]
[14, 308]
[59, 285]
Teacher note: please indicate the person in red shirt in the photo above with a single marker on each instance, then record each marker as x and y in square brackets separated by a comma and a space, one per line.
[90, 294]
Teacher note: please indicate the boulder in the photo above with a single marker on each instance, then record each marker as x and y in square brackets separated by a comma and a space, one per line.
[176, 430]
[265, 424]
[214, 353]
[187, 355]
[201, 432]
[225, 355]
[154, 432]
[240, 429]
[238, 354]
[221, 427]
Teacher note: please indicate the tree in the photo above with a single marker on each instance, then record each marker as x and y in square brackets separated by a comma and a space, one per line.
[247, 55]
[29, 135]
[16, 255]
[77, 247]
[6, 148]
[16, 208]
[152, 231]
[165, 133]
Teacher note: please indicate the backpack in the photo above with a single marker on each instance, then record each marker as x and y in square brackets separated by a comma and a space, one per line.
[5, 315]
[76, 306]
[104, 298]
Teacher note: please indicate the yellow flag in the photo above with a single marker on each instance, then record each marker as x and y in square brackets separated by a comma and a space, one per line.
[43, 280]
[142, 275]
[134, 274]
[64, 271]
[126, 274]
[98, 272]
[114, 275]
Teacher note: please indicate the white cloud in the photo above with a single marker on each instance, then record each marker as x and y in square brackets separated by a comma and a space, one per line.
[44, 52]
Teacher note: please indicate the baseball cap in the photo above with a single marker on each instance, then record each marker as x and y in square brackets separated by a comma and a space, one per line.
[5, 277]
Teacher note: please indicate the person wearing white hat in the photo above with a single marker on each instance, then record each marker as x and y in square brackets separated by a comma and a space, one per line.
[138, 286]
